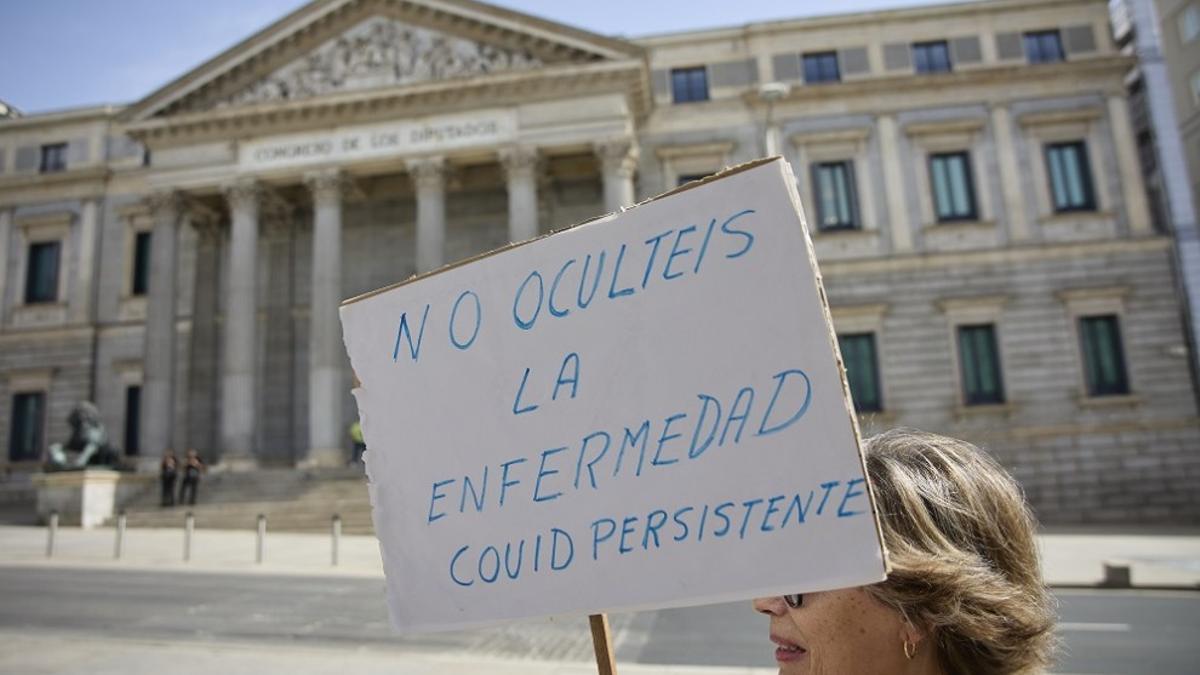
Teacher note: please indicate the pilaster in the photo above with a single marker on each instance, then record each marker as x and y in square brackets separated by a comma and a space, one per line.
[893, 180]
[1010, 174]
[1133, 188]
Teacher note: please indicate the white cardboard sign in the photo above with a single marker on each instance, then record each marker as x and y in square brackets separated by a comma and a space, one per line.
[642, 411]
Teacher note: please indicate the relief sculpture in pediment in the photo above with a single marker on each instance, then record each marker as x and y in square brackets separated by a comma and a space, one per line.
[381, 52]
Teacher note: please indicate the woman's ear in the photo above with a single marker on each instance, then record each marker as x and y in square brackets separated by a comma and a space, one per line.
[915, 638]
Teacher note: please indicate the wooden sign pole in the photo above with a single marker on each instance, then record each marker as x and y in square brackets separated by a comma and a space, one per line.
[605, 663]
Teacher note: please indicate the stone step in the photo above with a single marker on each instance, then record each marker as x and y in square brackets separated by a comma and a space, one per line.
[292, 501]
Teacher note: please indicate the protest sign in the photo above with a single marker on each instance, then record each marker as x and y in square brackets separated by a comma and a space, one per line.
[642, 411]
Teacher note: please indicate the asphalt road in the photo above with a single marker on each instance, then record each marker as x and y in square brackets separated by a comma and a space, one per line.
[1104, 631]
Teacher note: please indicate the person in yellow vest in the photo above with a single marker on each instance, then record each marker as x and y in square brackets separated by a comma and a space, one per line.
[357, 437]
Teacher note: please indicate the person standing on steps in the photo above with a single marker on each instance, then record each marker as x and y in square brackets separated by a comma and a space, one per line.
[168, 471]
[192, 468]
[359, 446]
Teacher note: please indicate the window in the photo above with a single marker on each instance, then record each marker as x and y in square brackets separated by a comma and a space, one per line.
[862, 370]
[41, 276]
[54, 157]
[1070, 178]
[140, 283]
[931, 57]
[821, 67]
[133, 419]
[25, 438]
[689, 84]
[1043, 47]
[953, 197]
[1188, 23]
[1103, 358]
[980, 361]
[833, 185]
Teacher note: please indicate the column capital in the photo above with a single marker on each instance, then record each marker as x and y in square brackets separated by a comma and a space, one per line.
[243, 193]
[209, 228]
[617, 156]
[520, 160]
[166, 204]
[327, 185]
[427, 172]
[277, 219]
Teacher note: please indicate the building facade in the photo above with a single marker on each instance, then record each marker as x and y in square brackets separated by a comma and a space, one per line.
[970, 175]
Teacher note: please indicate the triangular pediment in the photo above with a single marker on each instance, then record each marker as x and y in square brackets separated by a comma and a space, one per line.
[382, 52]
[331, 47]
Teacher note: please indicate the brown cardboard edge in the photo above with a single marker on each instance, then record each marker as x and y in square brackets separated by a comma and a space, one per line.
[847, 400]
[729, 171]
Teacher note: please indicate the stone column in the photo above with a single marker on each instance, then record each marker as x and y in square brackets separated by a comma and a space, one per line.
[325, 360]
[158, 379]
[203, 381]
[893, 180]
[85, 276]
[6, 288]
[618, 161]
[428, 175]
[520, 166]
[1133, 189]
[239, 410]
[1010, 174]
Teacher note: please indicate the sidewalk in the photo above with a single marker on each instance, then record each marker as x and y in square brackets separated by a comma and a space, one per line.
[1069, 558]
[27, 653]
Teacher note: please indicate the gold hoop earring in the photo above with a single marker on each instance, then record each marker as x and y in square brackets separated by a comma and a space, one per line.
[910, 650]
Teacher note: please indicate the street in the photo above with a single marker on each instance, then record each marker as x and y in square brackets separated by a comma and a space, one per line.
[1103, 631]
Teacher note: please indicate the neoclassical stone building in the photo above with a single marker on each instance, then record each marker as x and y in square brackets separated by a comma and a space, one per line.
[969, 172]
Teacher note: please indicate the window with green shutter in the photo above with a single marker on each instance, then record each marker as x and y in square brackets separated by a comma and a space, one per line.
[28, 418]
[1103, 357]
[140, 283]
[979, 359]
[953, 194]
[862, 370]
[833, 185]
[1070, 177]
[41, 275]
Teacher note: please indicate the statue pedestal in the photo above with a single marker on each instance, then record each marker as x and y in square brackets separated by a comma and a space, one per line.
[85, 498]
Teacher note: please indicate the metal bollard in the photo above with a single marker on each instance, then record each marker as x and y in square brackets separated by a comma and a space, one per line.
[51, 533]
[1116, 574]
[189, 524]
[262, 534]
[335, 531]
[120, 535]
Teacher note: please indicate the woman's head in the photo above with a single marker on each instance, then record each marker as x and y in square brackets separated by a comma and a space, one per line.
[964, 594]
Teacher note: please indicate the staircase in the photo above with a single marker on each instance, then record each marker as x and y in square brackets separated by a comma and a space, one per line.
[293, 500]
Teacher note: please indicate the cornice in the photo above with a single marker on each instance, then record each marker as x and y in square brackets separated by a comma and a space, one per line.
[414, 100]
[833, 269]
[1049, 118]
[1005, 77]
[907, 15]
[19, 186]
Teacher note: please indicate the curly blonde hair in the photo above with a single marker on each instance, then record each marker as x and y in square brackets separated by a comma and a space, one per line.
[964, 560]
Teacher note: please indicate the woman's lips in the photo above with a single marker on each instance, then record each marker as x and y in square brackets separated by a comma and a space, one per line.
[786, 650]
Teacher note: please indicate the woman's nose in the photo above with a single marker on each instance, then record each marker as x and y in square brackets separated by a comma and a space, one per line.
[773, 606]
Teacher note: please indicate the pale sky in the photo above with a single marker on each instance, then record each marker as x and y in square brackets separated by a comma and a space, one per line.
[57, 54]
